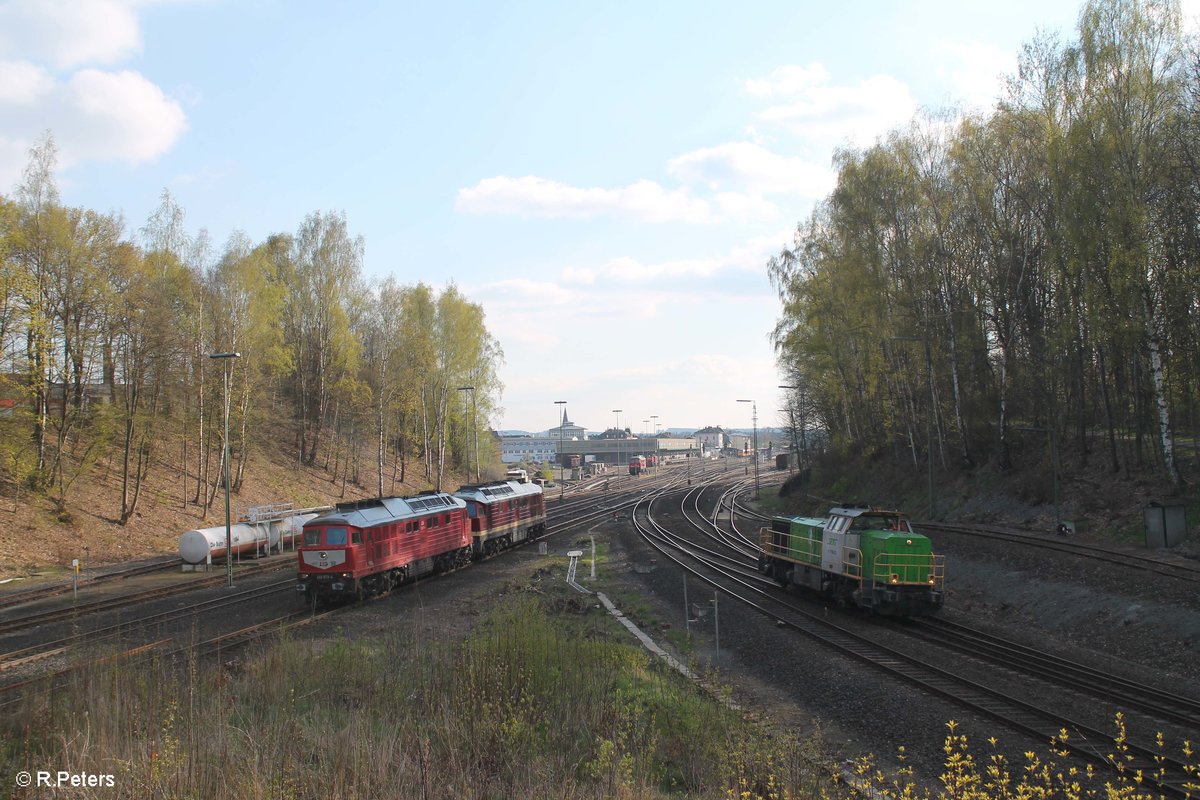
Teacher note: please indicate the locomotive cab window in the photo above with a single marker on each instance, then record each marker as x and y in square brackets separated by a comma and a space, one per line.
[335, 536]
[356, 537]
[312, 536]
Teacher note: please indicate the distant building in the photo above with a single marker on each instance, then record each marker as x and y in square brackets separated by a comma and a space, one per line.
[711, 439]
[567, 429]
[542, 447]
[739, 442]
[614, 433]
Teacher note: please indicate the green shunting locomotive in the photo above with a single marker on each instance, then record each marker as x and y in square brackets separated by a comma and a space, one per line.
[865, 557]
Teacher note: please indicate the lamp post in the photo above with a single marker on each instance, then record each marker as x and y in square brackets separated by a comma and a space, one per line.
[754, 418]
[654, 417]
[617, 411]
[562, 421]
[225, 458]
[471, 389]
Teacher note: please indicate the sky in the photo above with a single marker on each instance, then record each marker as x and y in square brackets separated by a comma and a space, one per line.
[607, 180]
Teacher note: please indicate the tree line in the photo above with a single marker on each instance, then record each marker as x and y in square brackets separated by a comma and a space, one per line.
[1027, 273]
[108, 342]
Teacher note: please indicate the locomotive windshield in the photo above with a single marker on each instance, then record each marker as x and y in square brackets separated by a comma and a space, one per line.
[312, 536]
[879, 523]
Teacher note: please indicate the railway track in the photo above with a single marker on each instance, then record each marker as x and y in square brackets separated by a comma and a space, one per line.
[57, 647]
[11, 694]
[23, 596]
[1126, 558]
[565, 516]
[730, 574]
[76, 610]
[1156, 703]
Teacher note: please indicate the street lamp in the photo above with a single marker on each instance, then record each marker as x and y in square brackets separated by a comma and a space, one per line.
[754, 417]
[562, 421]
[654, 417]
[471, 389]
[617, 411]
[225, 458]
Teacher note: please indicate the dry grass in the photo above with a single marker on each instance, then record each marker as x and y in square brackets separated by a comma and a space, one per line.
[529, 705]
[38, 539]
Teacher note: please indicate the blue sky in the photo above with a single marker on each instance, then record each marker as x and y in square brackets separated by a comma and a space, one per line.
[607, 180]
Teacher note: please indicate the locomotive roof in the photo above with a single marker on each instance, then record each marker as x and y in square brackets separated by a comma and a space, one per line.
[858, 511]
[381, 510]
[497, 490]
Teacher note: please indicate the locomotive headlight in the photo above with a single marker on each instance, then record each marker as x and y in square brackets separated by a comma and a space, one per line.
[345, 574]
[908, 542]
[895, 578]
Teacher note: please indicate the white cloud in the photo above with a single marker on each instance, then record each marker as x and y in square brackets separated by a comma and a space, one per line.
[629, 270]
[754, 168]
[529, 292]
[750, 256]
[124, 115]
[68, 33]
[974, 71]
[531, 196]
[788, 80]
[94, 114]
[23, 83]
[744, 206]
[817, 110]
[1191, 15]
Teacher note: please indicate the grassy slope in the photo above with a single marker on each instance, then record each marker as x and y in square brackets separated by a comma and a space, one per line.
[36, 539]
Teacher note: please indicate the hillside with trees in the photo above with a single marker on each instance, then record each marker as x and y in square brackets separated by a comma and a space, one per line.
[1022, 286]
[108, 375]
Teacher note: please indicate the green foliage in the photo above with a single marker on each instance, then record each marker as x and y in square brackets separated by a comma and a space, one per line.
[1035, 267]
[109, 344]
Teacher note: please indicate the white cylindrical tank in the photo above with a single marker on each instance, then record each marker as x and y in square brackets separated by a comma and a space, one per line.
[196, 546]
[289, 531]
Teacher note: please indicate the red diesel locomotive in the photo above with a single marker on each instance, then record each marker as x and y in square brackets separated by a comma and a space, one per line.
[503, 514]
[367, 547]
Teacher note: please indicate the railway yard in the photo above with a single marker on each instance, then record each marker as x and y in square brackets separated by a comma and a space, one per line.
[1037, 635]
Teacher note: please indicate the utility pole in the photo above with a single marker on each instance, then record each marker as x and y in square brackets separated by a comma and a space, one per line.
[654, 417]
[617, 411]
[754, 417]
[562, 421]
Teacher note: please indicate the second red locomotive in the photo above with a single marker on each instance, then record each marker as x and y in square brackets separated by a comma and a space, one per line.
[367, 547]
